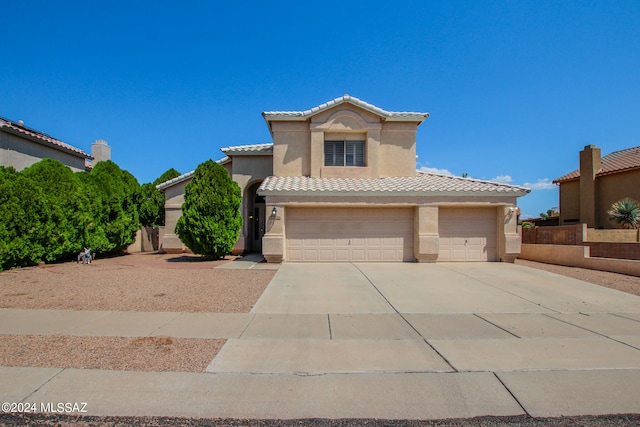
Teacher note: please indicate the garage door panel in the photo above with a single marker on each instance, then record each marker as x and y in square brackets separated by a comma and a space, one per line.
[467, 234]
[349, 234]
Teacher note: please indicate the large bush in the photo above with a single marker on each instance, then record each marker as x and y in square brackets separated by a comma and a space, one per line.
[24, 220]
[48, 213]
[152, 200]
[211, 219]
[117, 197]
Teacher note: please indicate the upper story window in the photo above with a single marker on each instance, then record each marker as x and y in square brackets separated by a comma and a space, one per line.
[344, 153]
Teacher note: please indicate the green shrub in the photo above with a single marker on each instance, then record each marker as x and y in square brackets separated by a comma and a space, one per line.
[152, 200]
[25, 220]
[625, 213]
[211, 220]
[117, 194]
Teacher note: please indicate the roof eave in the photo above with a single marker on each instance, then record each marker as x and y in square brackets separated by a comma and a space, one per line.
[303, 193]
[77, 153]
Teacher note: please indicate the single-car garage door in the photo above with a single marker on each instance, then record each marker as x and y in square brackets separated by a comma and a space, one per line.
[349, 234]
[468, 234]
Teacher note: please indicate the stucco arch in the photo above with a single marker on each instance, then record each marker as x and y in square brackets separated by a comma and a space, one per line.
[346, 121]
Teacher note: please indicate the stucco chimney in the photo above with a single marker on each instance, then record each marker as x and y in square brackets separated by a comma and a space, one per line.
[590, 164]
[100, 151]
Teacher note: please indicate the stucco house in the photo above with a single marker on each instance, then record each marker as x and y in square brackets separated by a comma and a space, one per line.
[587, 193]
[21, 146]
[339, 183]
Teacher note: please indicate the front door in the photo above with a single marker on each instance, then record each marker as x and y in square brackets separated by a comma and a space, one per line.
[258, 227]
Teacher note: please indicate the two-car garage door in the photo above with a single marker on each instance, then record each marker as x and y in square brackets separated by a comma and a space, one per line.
[349, 234]
[386, 234]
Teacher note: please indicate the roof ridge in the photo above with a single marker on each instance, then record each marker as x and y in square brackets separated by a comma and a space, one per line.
[346, 98]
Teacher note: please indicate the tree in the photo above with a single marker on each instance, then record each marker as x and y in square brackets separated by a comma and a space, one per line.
[211, 219]
[625, 213]
[65, 202]
[152, 200]
[117, 198]
[551, 213]
[25, 222]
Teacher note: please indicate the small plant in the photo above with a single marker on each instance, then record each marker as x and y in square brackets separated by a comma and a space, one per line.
[625, 213]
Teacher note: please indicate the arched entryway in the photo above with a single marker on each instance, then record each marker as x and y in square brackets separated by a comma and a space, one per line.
[255, 218]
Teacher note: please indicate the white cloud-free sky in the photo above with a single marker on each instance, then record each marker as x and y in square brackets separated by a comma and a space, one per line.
[515, 89]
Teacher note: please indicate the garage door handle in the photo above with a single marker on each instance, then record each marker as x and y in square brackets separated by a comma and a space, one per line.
[466, 241]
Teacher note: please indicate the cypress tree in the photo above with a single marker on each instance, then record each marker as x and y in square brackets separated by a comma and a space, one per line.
[211, 220]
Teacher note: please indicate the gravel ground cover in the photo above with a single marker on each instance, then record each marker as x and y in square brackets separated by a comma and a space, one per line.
[620, 282]
[151, 354]
[37, 420]
[140, 282]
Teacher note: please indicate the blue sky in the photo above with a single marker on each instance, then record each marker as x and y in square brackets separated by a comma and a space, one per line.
[515, 89]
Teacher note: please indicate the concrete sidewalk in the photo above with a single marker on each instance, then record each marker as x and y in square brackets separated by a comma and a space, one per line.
[395, 341]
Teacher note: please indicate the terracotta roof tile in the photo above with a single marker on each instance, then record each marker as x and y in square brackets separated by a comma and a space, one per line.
[618, 161]
[422, 183]
[19, 129]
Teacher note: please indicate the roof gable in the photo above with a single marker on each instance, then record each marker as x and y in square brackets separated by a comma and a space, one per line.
[401, 116]
[616, 162]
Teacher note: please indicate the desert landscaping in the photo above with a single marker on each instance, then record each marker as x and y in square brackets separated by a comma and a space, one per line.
[155, 283]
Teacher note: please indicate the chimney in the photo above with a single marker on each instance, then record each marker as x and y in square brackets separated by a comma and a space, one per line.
[590, 164]
[100, 151]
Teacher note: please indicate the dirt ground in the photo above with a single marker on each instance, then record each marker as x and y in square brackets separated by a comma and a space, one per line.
[620, 282]
[139, 282]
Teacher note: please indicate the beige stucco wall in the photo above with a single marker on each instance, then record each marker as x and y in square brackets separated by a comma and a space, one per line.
[299, 146]
[291, 148]
[174, 198]
[577, 256]
[608, 190]
[509, 241]
[569, 202]
[615, 236]
[22, 153]
[398, 149]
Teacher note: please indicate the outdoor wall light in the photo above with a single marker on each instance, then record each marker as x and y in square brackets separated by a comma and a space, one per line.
[274, 211]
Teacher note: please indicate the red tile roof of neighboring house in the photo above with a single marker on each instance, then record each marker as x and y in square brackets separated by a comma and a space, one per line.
[616, 162]
[422, 184]
[21, 130]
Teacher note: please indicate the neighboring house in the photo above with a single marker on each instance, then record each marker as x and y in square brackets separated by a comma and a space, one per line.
[586, 194]
[339, 183]
[21, 147]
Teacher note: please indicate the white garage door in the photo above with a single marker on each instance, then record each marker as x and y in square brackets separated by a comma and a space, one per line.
[349, 234]
[467, 234]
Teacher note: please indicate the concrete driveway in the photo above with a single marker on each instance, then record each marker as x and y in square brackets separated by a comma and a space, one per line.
[394, 341]
[486, 338]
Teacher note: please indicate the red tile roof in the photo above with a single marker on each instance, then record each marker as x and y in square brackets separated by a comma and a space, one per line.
[21, 130]
[616, 162]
